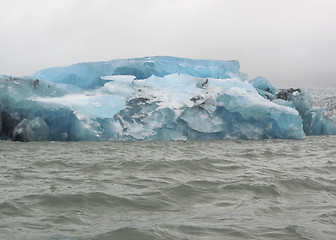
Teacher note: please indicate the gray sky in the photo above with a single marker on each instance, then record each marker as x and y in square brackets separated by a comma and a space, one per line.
[291, 42]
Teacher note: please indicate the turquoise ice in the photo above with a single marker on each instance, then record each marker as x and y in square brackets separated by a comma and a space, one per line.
[154, 98]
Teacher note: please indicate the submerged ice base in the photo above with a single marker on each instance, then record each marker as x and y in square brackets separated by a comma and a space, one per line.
[158, 98]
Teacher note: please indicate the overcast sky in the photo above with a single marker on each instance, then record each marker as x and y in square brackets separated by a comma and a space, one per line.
[291, 42]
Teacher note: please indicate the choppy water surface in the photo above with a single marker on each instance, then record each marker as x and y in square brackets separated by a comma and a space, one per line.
[271, 189]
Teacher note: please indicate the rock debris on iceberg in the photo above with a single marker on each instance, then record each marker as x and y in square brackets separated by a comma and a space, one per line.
[153, 98]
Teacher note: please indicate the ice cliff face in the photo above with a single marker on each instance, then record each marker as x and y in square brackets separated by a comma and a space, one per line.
[157, 98]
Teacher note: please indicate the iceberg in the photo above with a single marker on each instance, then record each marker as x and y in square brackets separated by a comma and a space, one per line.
[154, 98]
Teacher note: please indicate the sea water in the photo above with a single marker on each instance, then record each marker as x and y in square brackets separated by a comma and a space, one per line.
[230, 189]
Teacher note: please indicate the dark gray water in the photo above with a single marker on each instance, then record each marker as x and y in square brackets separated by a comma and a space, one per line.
[272, 189]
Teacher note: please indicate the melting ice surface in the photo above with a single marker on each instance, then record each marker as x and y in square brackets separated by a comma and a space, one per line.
[153, 98]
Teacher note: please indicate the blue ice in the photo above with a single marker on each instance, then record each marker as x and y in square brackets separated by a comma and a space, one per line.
[153, 98]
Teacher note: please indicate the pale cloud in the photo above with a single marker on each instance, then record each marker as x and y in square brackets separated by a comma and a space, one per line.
[291, 42]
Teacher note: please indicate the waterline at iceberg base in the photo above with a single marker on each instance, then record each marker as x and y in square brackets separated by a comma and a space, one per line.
[153, 98]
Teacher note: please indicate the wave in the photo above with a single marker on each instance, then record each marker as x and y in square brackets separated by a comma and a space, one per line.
[261, 190]
[298, 184]
[187, 190]
[290, 232]
[9, 209]
[94, 201]
[126, 233]
[55, 164]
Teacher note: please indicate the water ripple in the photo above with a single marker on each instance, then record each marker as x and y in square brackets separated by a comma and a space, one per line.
[231, 189]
